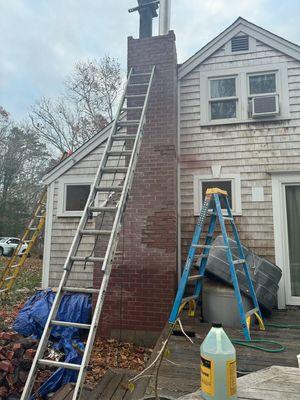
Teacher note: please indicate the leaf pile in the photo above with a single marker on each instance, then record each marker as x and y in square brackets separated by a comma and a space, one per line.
[109, 353]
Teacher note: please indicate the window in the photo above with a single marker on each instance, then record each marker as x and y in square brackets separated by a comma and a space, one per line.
[262, 84]
[223, 98]
[223, 185]
[76, 197]
[231, 183]
[72, 196]
[244, 94]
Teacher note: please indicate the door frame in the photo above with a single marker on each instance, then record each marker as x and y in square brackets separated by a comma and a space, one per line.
[279, 181]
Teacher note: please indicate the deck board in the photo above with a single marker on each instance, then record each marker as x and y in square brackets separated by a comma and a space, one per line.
[184, 377]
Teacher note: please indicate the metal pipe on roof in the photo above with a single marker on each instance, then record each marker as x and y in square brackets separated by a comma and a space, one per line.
[164, 17]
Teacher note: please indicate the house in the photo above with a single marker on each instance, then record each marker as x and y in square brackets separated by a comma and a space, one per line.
[229, 116]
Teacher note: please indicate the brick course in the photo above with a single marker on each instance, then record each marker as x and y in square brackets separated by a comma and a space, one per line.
[144, 276]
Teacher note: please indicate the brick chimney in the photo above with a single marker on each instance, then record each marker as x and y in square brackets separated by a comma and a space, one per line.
[144, 277]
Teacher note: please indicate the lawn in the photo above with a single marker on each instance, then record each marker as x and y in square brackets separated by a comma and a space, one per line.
[26, 283]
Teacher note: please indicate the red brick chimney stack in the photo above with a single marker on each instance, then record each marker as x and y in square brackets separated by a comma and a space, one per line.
[144, 279]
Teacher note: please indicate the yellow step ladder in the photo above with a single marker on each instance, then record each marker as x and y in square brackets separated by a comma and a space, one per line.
[30, 236]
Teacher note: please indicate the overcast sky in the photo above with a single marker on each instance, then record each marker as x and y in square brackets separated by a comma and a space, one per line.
[42, 39]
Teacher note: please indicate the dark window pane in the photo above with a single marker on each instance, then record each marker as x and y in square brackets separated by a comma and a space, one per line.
[223, 185]
[293, 216]
[222, 88]
[260, 84]
[76, 197]
[223, 109]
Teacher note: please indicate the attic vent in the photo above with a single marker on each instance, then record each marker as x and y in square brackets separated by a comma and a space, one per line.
[240, 43]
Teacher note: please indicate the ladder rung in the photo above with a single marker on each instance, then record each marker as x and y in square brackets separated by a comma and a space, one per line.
[80, 290]
[251, 312]
[103, 209]
[109, 189]
[241, 261]
[32, 229]
[139, 84]
[15, 266]
[119, 153]
[194, 297]
[71, 324]
[202, 246]
[228, 218]
[9, 278]
[27, 241]
[124, 137]
[195, 278]
[133, 96]
[95, 232]
[132, 108]
[58, 364]
[128, 123]
[111, 170]
[140, 74]
[3, 290]
[88, 259]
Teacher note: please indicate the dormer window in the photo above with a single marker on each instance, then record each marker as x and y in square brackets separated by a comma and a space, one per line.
[240, 43]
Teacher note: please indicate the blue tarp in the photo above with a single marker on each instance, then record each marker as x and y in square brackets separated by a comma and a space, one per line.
[32, 319]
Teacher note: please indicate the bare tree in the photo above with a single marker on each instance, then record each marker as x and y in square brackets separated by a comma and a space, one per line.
[85, 107]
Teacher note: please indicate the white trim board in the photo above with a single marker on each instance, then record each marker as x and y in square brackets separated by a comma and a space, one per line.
[279, 179]
[48, 236]
[258, 33]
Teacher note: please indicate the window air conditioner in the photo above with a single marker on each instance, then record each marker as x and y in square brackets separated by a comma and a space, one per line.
[264, 106]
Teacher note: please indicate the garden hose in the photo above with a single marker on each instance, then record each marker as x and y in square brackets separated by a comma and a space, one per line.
[250, 343]
[278, 346]
[283, 326]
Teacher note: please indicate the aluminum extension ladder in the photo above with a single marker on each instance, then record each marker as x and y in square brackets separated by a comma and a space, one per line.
[16, 263]
[212, 206]
[117, 193]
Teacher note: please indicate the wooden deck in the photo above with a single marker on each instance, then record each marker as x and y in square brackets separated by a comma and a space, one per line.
[181, 375]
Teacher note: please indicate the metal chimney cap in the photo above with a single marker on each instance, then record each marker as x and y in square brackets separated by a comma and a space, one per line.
[152, 4]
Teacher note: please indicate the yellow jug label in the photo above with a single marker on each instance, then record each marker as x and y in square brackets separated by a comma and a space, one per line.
[231, 378]
[207, 376]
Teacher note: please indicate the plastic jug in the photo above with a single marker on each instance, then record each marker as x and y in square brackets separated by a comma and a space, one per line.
[218, 366]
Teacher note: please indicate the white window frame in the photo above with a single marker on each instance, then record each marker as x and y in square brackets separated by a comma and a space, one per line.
[216, 99]
[62, 195]
[235, 190]
[242, 92]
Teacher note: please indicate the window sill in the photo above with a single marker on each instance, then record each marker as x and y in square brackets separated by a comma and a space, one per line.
[248, 121]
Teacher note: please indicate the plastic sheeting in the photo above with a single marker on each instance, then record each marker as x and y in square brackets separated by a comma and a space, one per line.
[32, 319]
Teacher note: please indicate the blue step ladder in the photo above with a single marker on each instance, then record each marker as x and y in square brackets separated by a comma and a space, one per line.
[212, 207]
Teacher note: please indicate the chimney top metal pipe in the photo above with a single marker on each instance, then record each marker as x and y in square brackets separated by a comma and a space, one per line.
[164, 17]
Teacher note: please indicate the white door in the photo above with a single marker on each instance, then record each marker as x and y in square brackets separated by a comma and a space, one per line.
[292, 242]
[286, 214]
